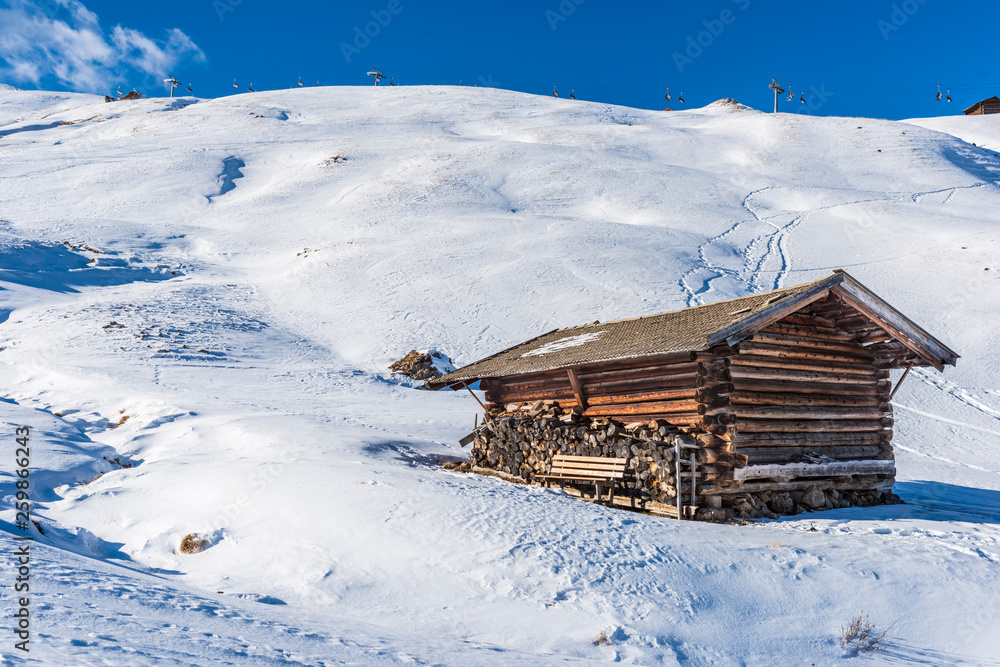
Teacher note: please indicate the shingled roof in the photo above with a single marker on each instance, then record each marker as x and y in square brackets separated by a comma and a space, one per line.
[696, 328]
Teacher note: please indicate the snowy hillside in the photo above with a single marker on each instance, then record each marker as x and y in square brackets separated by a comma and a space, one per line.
[983, 131]
[200, 299]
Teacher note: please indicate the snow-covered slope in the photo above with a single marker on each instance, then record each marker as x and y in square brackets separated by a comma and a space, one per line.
[982, 131]
[264, 257]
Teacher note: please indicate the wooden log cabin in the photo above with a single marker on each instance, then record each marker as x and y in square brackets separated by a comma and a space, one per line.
[990, 105]
[775, 402]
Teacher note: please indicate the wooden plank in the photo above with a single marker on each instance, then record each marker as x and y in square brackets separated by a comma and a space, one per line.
[577, 389]
[792, 470]
[668, 407]
[843, 484]
[475, 397]
[792, 352]
[811, 425]
[585, 474]
[535, 396]
[749, 359]
[569, 463]
[900, 382]
[781, 439]
[810, 320]
[643, 397]
[680, 420]
[822, 333]
[807, 412]
[758, 455]
[592, 459]
[653, 370]
[877, 336]
[593, 468]
[849, 347]
[740, 398]
[628, 386]
[810, 388]
[534, 376]
[551, 384]
[754, 373]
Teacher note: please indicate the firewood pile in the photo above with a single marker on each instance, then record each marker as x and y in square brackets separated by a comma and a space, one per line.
[421, 365]
[521, 439]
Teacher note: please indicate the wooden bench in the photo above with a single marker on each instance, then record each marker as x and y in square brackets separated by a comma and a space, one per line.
[598, 470]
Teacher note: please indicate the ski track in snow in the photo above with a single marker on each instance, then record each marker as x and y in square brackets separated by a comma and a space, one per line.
[753, 270]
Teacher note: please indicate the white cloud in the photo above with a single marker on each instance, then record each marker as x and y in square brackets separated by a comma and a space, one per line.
[64, 40]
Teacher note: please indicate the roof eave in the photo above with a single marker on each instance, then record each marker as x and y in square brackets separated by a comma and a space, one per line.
[902, 328]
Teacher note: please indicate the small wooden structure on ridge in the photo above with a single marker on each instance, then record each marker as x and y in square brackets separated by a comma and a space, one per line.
[983, 107]
[773, 402]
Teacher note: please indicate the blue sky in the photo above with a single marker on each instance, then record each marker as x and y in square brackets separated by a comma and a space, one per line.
[852, 58]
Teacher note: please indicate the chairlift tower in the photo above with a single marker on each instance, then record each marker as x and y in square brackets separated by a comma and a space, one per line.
[173, 82]
[778, 90]
[377, 73]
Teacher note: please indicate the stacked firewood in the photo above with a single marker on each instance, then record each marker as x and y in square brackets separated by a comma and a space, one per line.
[522, 440]
[421, 365]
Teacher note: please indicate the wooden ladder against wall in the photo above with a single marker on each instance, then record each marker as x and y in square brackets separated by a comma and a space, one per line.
[684, 455]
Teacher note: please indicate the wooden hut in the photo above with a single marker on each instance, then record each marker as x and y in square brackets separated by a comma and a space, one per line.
[774, 402]
[982, 107]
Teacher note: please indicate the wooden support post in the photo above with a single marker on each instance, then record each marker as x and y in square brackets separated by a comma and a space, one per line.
[694, 482]
[677, 460]
[466, 385]
[901, 378]
[577, 388]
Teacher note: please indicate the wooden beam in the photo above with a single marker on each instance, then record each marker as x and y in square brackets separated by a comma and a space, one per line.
[898, 334]
[903, 377]
[791, 470]
[900, 326]
[841, 484]
[577, 389]
[466, 385]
